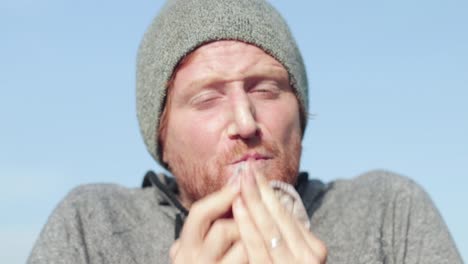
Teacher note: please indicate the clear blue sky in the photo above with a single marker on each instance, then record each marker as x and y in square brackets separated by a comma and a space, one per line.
[388, 79]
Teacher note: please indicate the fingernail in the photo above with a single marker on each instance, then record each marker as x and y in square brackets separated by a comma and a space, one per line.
[234, 180]
[249, 176]
[239, 204]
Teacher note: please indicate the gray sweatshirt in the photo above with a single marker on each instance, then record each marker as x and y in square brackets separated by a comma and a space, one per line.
[378, 217]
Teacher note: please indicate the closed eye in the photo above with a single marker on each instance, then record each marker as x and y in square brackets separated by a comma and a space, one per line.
[205, 100]
[266, 90]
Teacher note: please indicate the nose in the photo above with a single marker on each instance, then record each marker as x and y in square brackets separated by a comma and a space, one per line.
[244, 124]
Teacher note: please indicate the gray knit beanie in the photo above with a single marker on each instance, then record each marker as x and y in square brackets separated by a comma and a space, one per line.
[184, 25]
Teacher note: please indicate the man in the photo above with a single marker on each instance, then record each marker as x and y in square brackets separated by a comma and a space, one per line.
[222, 103]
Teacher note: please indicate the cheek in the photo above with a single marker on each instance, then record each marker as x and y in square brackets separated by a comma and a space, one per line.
[283, 123]
[195, 136]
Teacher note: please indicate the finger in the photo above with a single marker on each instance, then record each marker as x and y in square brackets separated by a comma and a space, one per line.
[262, 218]
[288, 226]
[250, 236]
[174, 248]
[221, 236]
[300, 240]
[236, 254]
[319, 248]
[205, 211]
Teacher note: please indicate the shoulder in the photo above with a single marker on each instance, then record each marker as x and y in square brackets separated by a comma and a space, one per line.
[100, 222]
[92, 193]
[376, 193]
[373, 188]
[381, 214]
[108, 201]
[378, 184]
[378, 178]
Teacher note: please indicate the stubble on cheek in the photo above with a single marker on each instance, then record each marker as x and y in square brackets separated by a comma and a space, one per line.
[195, 179]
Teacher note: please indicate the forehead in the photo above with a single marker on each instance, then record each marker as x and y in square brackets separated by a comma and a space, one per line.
[229, 59]
[222, 49]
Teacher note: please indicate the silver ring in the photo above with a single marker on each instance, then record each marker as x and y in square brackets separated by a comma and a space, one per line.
[274, 242]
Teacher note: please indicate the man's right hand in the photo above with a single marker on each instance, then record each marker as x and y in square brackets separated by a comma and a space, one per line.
[206, 236]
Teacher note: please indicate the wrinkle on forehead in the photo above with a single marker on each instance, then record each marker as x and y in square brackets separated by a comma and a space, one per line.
[213, 51]
[213, 58]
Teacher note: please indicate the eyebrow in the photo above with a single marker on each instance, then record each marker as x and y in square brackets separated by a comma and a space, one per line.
[272, 73]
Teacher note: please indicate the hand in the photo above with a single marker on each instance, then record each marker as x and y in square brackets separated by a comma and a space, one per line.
[269, 233]
[208, 238]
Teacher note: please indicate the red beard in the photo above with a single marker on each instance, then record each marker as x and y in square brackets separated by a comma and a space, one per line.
[196, 179]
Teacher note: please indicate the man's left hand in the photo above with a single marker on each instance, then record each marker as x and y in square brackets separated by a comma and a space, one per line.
[269, 233]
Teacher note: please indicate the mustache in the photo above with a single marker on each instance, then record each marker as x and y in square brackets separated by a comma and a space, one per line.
[237, 151]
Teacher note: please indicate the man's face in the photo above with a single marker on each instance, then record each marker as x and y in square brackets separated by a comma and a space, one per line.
[230, 104]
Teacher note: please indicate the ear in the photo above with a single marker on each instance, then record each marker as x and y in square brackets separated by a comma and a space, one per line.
[162, 152]
[164, 155]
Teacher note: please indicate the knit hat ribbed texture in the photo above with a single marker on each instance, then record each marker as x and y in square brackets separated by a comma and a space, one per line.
[183, 25]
